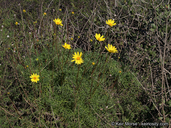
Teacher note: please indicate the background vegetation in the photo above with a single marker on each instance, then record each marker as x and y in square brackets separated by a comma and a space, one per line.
[132, 85]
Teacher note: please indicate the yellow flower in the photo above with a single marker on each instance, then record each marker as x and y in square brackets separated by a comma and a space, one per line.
[118, 57]
[27, 66]
[34, 77]
[111, 22]
[66, 46]
[8, 93]
[93, 63]
[78, 36]
[111, 48]
[58, 21]
[16, 23]
[72, 12]
[99, 38]
[119, 71]
[24, 10]
[77, 58]
[44, 13]
[91, 40]
[60, 9]
[71, 38]
[37, 59]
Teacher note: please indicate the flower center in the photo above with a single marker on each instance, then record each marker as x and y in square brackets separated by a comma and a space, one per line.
[34, 78]
[78, 58]
[57, 22]
[99, 38]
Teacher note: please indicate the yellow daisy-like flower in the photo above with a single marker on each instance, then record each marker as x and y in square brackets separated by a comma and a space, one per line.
[60, 9]
[91, 40]
[66, 46]
[119, 71]
[37, 59]
[58, 21]
[111, 23]
[111, 48]
[72, 12]
[78, 36]
[34, 77]
[93, 63]
[77, 58]
[16, 23]
[24, 10]
[99, 38]
[71, 38]
[44, 13]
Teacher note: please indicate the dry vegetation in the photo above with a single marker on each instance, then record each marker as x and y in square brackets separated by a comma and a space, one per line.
[133, 86]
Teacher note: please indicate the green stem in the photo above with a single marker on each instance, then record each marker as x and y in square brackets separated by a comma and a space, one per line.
[103, 44]
[91, 87]
[67, 57]
[99, 77]
[77, 78]
[87, 66]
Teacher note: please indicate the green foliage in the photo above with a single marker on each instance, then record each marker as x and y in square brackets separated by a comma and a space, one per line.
[117, 88]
